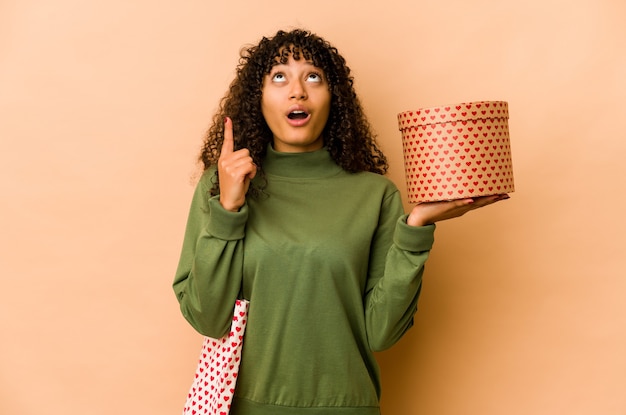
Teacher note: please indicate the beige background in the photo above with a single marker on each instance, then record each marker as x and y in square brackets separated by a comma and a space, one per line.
[102, 109]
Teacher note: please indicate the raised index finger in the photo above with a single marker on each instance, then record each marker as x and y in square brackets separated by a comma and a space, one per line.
[228, 145]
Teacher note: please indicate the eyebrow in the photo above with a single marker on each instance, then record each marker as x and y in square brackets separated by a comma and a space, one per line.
[309, 63]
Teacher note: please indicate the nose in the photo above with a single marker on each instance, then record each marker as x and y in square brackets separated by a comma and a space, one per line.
[298, 90]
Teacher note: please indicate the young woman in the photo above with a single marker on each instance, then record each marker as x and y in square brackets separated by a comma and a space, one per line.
[294, 211]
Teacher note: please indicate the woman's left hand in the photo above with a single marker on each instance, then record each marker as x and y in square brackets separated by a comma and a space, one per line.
[430, 212]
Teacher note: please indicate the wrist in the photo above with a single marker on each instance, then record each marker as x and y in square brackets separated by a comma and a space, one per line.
[416, 220]
[229, 207]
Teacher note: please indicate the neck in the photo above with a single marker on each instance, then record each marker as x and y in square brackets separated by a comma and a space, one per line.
[309, 164]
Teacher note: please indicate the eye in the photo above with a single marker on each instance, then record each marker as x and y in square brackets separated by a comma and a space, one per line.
[314, 77]
[279, 77]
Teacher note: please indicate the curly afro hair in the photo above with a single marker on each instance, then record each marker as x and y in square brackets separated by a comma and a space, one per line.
[347, 135]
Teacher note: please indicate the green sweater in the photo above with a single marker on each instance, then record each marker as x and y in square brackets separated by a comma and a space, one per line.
[332, 272]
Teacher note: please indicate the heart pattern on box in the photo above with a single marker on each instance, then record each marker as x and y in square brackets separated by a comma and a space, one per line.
[456, 152]
[216, 374]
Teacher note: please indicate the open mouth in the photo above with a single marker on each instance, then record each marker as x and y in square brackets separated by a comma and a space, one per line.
[297, 115]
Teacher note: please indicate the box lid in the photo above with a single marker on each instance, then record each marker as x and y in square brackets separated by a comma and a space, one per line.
[461, 112]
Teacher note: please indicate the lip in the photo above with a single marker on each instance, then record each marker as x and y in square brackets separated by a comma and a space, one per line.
[298, 122]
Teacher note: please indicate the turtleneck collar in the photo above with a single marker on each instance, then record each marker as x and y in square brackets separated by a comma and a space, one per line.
[308, 165]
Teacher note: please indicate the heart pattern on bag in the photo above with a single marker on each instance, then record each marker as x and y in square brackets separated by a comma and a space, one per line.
[456, 152]
[216, 374]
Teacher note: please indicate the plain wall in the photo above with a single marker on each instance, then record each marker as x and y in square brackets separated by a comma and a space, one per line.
[102, 109]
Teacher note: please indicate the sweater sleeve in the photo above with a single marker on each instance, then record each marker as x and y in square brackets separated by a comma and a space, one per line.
[209, 274]
[395, 275]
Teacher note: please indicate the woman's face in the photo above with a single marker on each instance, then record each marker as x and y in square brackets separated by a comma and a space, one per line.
[295, 103]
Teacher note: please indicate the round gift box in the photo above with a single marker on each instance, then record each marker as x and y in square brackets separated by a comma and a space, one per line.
[457, 151]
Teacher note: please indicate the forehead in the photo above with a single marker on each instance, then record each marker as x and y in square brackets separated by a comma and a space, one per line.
[286, 52]
[293, 64]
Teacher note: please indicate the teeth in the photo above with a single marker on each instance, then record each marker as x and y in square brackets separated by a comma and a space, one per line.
[297, 114]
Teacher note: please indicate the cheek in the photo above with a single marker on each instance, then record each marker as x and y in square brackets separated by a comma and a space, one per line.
[326, 109]
[269, 103]
[266, 109]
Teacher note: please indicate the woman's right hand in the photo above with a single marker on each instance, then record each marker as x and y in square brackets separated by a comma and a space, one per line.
[235, 169]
